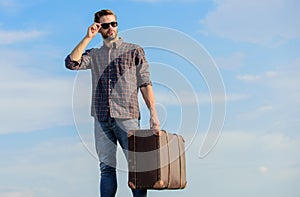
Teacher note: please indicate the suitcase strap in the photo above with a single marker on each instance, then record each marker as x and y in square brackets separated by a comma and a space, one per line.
[180, 162]
[169, 158]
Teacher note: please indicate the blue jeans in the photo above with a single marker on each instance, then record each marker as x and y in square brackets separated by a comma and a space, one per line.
[106, 136]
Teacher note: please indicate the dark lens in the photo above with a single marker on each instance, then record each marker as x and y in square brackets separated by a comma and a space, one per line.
[114, 24]
[105, 25]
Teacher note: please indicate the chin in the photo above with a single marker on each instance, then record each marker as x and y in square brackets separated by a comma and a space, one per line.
[112, 37]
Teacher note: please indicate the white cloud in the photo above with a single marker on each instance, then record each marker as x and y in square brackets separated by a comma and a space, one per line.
[32, 100]
[232, 61]
[163, 1]
[287, 76]
[16, 194]
[11, 37]
[50, 168]
[268, 22]
[14, 7]
[265, 151]
[263, 169]
[36, 104]
[194, 98]
[276, 97]
[271, 74]
[62, 167]
[9, 5]
[248, 77]
[260, 77]
[147, 1]
[266, 108]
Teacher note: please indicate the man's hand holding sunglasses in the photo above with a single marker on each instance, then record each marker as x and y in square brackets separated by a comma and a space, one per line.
[95, 28]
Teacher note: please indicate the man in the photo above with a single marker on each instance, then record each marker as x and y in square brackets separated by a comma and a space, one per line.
[118, 69]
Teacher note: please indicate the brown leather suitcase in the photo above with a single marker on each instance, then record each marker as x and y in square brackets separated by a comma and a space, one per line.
[156, 160]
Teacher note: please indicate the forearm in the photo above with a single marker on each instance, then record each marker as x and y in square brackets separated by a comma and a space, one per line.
[149, 99]
[79, 49]
[148, 96]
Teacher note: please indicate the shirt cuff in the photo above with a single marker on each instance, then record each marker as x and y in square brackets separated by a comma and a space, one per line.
[70, 64]
[146, 84]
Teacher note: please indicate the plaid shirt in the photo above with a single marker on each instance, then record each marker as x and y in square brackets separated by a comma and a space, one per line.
[117, 73]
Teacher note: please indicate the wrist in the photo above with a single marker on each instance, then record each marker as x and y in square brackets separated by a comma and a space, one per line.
[87, 38]
[152, 109]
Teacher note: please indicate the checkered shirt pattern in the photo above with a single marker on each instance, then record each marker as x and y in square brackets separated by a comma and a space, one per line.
[117, 74]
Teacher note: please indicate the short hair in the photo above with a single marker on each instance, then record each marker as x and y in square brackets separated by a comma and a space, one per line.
[101, 13]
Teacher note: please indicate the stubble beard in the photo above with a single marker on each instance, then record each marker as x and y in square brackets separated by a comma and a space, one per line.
[108, 37]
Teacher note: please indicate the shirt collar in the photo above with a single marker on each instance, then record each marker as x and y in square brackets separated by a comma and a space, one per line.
[115, 45]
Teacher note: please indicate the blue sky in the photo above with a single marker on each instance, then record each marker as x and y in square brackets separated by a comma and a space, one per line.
[46, 136]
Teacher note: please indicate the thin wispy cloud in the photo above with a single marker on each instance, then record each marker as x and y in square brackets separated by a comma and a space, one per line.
[36, 101]
[268, 23]
[55, 163]
[275, 155]
[15, 7]
[233, 61]
[12, 37]
[190, 99]
[16, 194]
[7, 4]
[277, 96]
[164, 1]
[248, 77]
[254, 78]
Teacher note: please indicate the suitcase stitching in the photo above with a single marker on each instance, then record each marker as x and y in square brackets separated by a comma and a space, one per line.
[169, 160]
[182, 161]
[180, 167]
[134, 159]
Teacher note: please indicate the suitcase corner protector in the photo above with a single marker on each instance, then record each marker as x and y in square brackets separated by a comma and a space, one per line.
[184, 185]
[159, 185]
[131, 185]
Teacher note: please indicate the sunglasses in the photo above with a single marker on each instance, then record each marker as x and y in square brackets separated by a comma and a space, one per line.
[106, 25]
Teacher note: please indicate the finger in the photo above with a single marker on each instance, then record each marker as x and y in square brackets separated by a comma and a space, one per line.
[98, 25]
[92, 28]
[95, 27]
[154, 125]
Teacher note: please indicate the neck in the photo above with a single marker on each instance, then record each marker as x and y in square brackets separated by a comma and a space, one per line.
[109, 42]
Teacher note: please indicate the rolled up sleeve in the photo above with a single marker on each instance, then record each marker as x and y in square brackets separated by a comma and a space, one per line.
[142, 68]
[82, 64]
